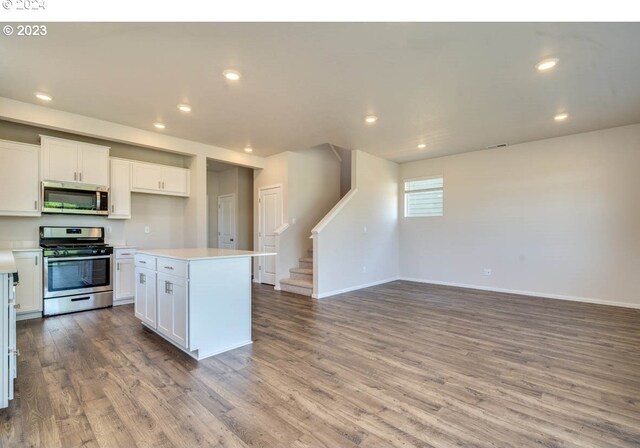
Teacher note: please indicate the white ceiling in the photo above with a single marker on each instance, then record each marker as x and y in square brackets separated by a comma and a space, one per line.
[454, 87]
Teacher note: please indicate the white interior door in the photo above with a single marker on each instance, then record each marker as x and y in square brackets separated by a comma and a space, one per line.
[227, 221]
[270, 218]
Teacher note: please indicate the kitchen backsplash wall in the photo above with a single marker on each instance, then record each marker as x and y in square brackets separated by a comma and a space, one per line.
[162, 214]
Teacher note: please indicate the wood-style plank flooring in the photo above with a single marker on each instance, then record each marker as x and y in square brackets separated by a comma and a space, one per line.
[402, 364]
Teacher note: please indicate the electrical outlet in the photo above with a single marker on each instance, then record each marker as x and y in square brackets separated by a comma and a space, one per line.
[146, 229]
[108, 229]
[486, 271]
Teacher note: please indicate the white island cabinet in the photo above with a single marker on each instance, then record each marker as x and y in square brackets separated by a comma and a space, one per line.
[197, 299]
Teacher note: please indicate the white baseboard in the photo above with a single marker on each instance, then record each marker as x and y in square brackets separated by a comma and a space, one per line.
[27, 316]
[525, 293]
[353, 288]
[122, 302]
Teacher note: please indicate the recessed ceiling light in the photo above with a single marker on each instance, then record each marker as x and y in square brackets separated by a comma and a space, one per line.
[43, 96]
[231, 75]
[547, 64]
[159, 125]
[422, 146]
[248, 149]
[184, 107]
[561, 117]
[370, 119]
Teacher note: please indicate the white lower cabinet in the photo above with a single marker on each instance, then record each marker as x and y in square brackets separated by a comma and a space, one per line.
[29, 288]
[145, 301]
[202, 306]
[173, 308]
[124, 288]
[162, 300]
[9, 351]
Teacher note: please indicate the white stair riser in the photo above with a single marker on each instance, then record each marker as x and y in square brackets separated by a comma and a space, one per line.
[301, 276]
[306, 264]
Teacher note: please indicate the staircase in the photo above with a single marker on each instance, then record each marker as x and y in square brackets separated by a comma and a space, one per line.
[300, 279]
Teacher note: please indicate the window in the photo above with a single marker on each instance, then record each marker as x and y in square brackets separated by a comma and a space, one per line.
[423, 197]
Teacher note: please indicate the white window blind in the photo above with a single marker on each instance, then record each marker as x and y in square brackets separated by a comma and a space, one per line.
[423, 197]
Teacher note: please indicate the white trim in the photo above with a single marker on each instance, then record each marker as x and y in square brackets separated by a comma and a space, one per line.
[122, 302]
[202, 356]
[27, 316]
[353, 288]
[334, 211]
[281, 229]
[335, 152]
[526, 293]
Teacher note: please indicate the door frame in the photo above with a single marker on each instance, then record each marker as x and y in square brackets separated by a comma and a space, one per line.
[235, 219]
[260, 219]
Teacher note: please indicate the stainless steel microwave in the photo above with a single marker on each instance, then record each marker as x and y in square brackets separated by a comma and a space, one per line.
[69, 198]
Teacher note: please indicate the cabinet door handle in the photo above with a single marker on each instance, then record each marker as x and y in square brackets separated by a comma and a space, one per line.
[17, 306]
[35, 204]
[117, 266]
[142, 261]
[143, 279]
[112, 208]
[75, 176]
[169, 267]
[163, 185]
[80, 177]
[159, 184]
[36, 260]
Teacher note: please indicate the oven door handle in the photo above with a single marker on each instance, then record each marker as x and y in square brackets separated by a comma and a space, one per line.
[99, 257]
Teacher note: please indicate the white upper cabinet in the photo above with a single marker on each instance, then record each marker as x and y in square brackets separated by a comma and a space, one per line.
[159, 179]
[19, 179]
[146, 177]
[93, 164]
[175, 181]
[70, 161]
[120, 189]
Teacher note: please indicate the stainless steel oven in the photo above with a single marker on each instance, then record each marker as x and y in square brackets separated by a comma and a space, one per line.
[78, 269]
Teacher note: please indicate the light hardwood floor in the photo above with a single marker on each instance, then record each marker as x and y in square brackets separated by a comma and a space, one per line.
[402, 364]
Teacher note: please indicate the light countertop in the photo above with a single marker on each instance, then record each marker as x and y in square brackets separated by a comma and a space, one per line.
[202, 253]
[7, 263]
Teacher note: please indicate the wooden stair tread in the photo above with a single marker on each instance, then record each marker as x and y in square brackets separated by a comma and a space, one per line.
[296, 282]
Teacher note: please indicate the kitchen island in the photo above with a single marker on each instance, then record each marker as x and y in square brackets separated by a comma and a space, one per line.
[8, 349]
[197, 299]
